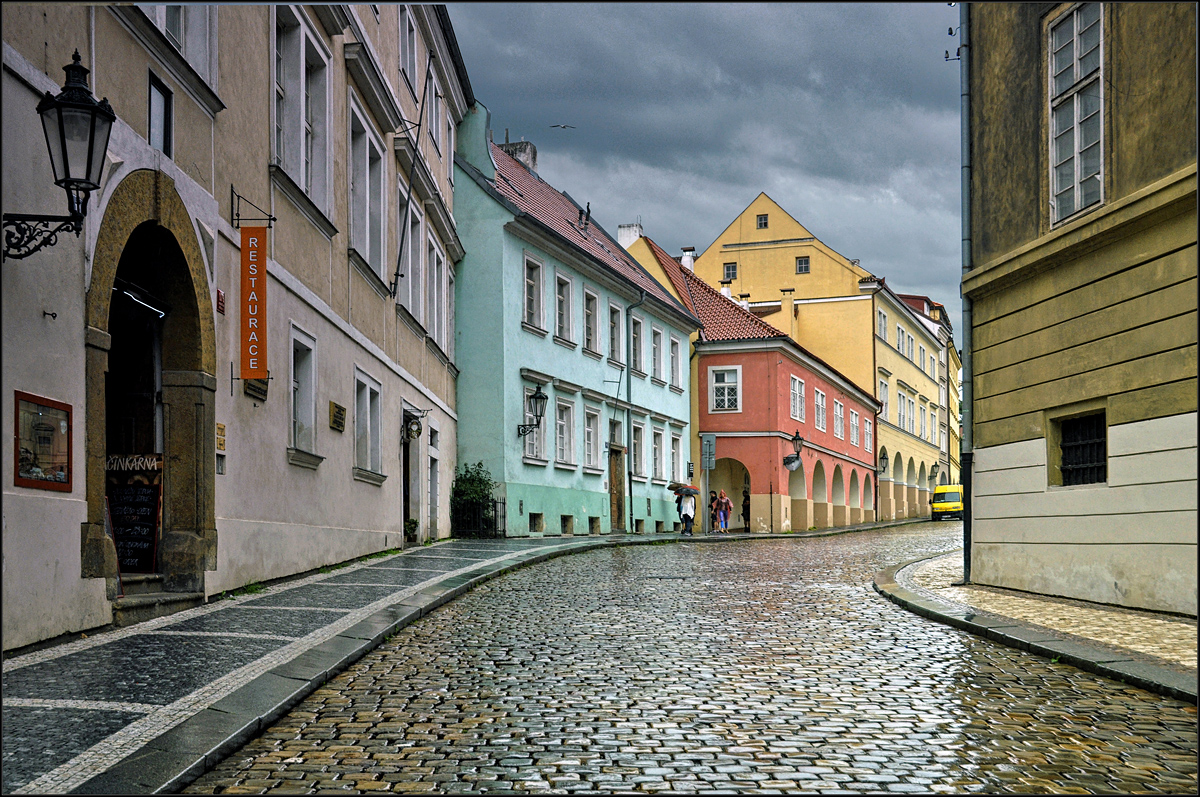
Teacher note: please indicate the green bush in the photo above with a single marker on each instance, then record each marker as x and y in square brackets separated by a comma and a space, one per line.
[473, 484]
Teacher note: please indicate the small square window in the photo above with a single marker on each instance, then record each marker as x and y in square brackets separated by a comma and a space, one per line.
[1084, 446]
[762, 221]
[802, 265]
[731, 271]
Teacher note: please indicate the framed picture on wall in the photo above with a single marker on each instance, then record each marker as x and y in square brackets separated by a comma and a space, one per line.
[42, 438]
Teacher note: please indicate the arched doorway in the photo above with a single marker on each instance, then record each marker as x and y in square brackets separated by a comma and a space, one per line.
[868, 500]
[151, 377]
[840, 517]
[924, 488]
[899, 494]
[914, 506]
[855, 499]
[820, 497]
[731, 476]
[887, 502]
[801, 505]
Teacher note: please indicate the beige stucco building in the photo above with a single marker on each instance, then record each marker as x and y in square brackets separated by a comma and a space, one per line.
[852, 320]
[300, 119]
[1079, 376]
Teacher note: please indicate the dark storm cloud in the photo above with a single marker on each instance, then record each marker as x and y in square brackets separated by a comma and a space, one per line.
[845, 114]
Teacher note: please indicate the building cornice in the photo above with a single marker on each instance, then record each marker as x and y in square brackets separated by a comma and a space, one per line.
[134, 20]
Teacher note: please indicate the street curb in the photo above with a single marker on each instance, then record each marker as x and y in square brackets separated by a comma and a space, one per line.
[1039, 641]
[174, 760]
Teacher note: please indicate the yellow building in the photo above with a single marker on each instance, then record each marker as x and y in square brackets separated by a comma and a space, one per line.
[852, 320]
[1079, 356]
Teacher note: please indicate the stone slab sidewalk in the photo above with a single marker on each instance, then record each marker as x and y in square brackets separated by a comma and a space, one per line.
[1150, 650]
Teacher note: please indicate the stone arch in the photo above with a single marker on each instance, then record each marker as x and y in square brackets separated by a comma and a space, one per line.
[732, 476]
[912, 497]
[887, 505]
[899, 491]
[868, 493]
[855, 490]
[822, 517]
[146, 218]
[801, 504]
[942, 478]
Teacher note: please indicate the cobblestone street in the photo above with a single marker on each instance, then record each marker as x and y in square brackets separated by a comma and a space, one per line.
[765, 666]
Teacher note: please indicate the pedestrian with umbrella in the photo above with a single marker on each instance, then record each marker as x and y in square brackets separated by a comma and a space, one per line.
[685, 503]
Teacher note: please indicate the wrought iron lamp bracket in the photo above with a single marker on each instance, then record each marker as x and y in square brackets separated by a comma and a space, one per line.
[27, 233]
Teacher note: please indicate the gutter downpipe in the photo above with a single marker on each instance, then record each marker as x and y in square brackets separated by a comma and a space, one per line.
[966, 407]
[629, 401]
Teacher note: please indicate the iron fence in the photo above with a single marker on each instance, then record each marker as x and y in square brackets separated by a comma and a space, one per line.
[485, 519]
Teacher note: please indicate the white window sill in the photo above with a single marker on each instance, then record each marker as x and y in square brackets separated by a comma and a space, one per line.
[368, 476]
[566, 466]
[639, 479]
[591, 471]
[570, 344]
[677, 389]
[541, 463]
[595, 355]
[637, 373]
[304, 459]
[616, 363]
[528, 327]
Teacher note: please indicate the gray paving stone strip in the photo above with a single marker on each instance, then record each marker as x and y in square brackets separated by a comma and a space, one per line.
[132, 743]
[1151, 652]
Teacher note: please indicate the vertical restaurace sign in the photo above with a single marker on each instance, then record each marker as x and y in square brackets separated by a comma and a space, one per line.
[254, 303]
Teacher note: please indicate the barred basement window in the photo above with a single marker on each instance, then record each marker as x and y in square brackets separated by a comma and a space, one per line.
[1084, 450]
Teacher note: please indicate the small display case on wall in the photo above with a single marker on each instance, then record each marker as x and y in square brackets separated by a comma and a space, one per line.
[42, 439]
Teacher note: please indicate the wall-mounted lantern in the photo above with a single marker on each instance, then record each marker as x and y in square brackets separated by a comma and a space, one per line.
[535, 405]
[933, 472]
[883, 463]
[77, 130]
[792, 461]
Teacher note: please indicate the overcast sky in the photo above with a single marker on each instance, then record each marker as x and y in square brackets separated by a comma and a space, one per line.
[847, 115]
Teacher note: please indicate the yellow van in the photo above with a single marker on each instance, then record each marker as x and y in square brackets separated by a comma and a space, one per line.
[948, 501]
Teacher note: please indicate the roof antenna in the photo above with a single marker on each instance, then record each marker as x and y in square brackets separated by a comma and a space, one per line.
[506, 135]
[588, 217]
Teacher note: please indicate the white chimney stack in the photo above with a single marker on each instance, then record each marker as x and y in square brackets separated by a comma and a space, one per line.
[688, 260]
[627, 234]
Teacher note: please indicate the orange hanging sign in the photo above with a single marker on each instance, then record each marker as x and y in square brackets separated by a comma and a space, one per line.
[254, 303]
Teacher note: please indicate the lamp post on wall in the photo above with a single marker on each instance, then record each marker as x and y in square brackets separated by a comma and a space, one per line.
[792, 461]
[77, 129]
[535, 405]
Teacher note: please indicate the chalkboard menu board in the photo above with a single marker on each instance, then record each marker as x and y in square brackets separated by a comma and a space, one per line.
[135, 506]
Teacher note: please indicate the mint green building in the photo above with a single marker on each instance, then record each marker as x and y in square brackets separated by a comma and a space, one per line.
[546, 301]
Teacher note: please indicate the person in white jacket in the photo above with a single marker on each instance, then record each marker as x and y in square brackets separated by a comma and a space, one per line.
[687, 512]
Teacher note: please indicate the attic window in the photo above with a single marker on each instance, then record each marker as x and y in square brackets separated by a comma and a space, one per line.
[762, 221]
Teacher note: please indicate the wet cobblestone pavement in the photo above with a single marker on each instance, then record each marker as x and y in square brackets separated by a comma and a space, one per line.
[759, 666]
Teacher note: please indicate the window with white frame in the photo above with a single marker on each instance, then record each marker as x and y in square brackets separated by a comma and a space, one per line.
[883, 399]
[723, 389]
[676, 458]
[656, 453]
[866, 435]
[615, 334]
[731, 271]
[921, 358]
[614, 432]
[411, 290]
[883, 325]
[564, 432]
[839, 417]
[853, 428]
[366, 192]
[762, 221]
[819, 406]
[533, 293]
[302, 109]
[191, 29]
[639, 468]
[562, 308]
[912, 413]
[901, 410]
[450, 314]
[408, 48]
[1076, 115]
[656, 354]
[435, 113]
[304, 383]
[436, 304]
[924, 430]
[367, 424]
[910, 347]
[161, 113]
[797, 399]
[900, 338]
[535, 441]
[635, 344]
[802, 265]
[591, 438]
[590, 303]
[933, 425]
[676, 376]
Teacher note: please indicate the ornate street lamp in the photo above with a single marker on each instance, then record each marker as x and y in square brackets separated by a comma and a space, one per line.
[792, 461]
[77, 130]
[933, 471]
[535, 406]
[883, 463]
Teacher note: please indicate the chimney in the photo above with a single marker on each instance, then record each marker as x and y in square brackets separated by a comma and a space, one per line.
[688, 260]
[523, 151]
[627, 234]
[744, 300]
[725, 291]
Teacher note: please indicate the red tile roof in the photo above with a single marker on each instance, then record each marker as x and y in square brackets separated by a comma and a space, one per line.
[723, 318]
[534, 196]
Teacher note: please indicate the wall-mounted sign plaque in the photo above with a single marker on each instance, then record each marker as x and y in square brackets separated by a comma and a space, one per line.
[337, 417]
